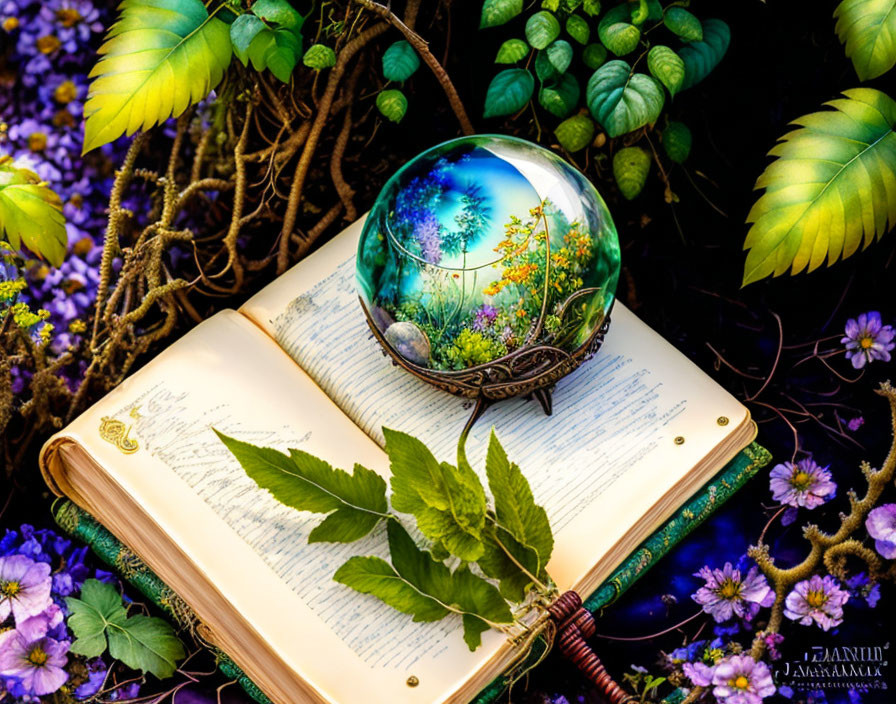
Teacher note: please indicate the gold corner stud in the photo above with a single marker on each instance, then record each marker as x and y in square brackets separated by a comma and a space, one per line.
[722, 420]
[679, 440]
[116, 432]
[413, 681]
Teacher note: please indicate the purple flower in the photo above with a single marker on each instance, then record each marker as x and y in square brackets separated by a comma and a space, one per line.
[772, 641]
[802, 484]
[740, 679]
[726, 593]
[96, 676]
[867, 339]
[699, 673]
[881, 525]
[30, 656]
[485, 316]
[818, 599]
[855, 423]
[860, 586]
[24, 587]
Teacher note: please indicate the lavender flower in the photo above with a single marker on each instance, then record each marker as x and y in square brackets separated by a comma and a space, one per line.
[700, 674]
[867, 339]
[24, 587]
[485, 316]
[818, 599]
[881, 525]
[855, 423]
[772, 641]
[726, 593]
[860, 586]
[802, 484]
[29, 655]
[740, 679]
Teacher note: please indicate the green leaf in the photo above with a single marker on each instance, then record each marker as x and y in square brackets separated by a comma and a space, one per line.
[640, 13]
[630, 168]
[578, 29]
[473, 630]
[617, 33]
[147, 644]
[304, 482]
[159, 58]
[591, 7]
[543, 67]
[868, 29]
[559, 54]
[515, 507]
[561, 96]
[141, 642]
[552, 5]
[511, 51]
[319, 57]
[622, 101]
[31, 213]
[677, 141]
[832, 185]
[496, 12]
[700, 58]
[667, 67]
[277, 50]
[508, 92]
[448, 502]
[681, 22]
[575, 132]
[243, 30]
[594, 55]
[654, 10]
[392, 104]
[400, 61]
[501, 561]
[541, 29]
[280, 13]
[477, 597]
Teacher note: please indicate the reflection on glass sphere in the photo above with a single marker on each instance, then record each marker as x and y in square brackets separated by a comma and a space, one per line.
[485, 245]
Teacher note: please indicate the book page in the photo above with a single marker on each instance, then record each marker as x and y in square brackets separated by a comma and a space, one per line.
[226, 374]
[604, 458]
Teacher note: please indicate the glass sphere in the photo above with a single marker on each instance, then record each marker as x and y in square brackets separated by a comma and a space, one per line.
[482, 246]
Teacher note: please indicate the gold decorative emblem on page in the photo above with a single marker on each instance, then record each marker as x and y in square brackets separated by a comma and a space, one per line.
[116, 432]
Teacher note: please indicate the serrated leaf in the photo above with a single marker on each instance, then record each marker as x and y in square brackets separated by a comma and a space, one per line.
[677, 141]
[561, 96]
[147, 644]
[497, 12]
[868, 29]
[159, 58]
[543, 67]
[684, 24]
[832, 185]
[400, 61]
[99, 604]
[280, 13]
[594, 56]
[392, 104]
[319, 57]
[515, 506]
[591, 7]
[243, 30]
[541, 29]
[473, 630]
[277, 50]
[630, 168]
[617, 33]
[700, 58]
[501, 561]
[448, 502]
[511, 51]
[508, 92]
[559, 54]
[304, 482]
[478, 598]
[31, 213]
[622, 101]
[578, 29]
[575, 132]
[667, 67]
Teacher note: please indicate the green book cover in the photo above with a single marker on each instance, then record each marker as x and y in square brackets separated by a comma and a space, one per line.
[697, 509]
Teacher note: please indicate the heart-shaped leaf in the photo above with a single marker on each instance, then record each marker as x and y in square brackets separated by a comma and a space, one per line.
[683, 23]
[392, 104]
[677, 141]
[160, 57]
[243, 30]
[667, 67]
[630, 168]
[508, 92]
[832, 186]
[560, 97]
[541, 29]
[511, 51]
[400, 61]
[544, 69]
[868, 29]
[622, 101]
[497, 12]
[276, 50]
[319, 57]
[559, 55]
[578, 29]
[617, 33]
[700, 58]
[575, 132]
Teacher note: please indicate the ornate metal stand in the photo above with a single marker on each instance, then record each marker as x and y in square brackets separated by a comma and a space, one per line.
[574, 625]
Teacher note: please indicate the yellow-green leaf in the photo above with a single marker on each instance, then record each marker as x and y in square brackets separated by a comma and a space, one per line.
[575, 133]
[31, 213]
[392, 104]
[868, 29]
[630, 168]
[159, 58]
[667, 67]
[831, 187]
[616, 31]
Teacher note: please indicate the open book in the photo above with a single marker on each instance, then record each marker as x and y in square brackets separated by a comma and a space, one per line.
[635, 431]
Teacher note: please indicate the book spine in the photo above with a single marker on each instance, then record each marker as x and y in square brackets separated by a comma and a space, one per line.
[81, 525]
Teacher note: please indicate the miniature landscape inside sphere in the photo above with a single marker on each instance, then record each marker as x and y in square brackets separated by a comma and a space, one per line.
[482, 246]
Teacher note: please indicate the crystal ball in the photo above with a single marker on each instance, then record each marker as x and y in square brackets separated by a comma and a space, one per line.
[483, 246]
